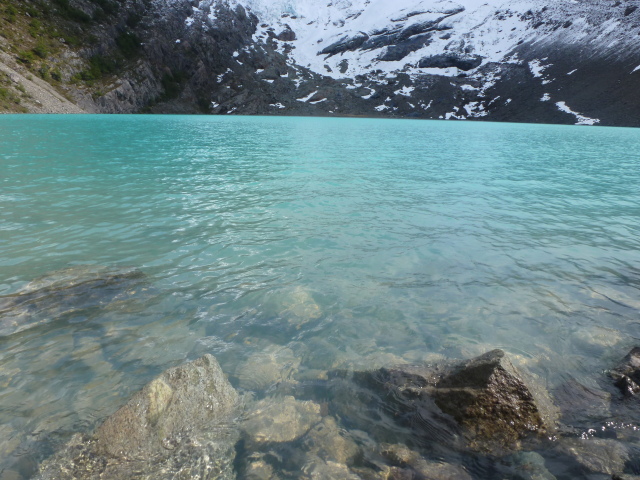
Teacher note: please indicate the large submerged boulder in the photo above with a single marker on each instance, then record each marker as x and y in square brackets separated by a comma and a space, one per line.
[180, 425]
[493, 406]
[69, 291]
[490, 399]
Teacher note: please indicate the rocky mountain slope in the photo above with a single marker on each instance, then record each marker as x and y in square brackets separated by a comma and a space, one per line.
[569, 61]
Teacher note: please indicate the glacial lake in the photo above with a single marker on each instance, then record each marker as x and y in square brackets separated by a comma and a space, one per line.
[320, 244]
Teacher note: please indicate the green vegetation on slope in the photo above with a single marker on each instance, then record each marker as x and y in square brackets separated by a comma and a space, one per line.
[59, 41]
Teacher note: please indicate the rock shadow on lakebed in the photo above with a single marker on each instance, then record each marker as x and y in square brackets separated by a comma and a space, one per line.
[71, 293]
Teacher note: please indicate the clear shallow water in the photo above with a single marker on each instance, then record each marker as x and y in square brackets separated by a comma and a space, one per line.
[354, 242]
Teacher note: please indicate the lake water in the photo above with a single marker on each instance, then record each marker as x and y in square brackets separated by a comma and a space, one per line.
[346, 243]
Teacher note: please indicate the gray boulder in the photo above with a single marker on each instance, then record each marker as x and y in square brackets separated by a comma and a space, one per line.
[286, 35]
[180, 425]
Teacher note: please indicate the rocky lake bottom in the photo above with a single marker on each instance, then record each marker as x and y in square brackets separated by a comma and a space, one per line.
[282, 298]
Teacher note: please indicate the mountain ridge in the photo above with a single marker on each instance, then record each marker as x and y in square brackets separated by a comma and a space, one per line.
[571, 62]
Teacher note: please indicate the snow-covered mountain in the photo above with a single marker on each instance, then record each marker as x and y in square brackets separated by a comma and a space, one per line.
[560, 61]
[565, 61]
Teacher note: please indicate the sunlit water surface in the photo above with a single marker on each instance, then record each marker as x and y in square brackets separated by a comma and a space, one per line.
[355, 242]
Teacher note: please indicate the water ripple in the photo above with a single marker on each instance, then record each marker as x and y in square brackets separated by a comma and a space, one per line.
[412, 238]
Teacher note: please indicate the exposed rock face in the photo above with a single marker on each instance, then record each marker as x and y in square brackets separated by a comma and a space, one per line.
[464, 63]
[627, 374]
[506, 61]
[66, 291]
[178, 426]
[346, 44]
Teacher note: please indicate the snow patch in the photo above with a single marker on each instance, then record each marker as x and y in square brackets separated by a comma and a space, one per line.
[405, 91]
[537, 68]
[475, 110]
[277, 105]
[426, 107]
[470, 24]
[221, 76]
[308, 97]
[545, 98]
[635, 69]
[581, 119]
[454, 115]
[371, 93]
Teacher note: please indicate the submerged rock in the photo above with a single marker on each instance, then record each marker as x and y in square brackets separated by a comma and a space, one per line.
[68, 291]
[178, 426]
[580, 404]
[318, 469]
[327, 442]
[276, 420]
[627, 374]
[597, 454]
[527, 466]
[486, 396]
[595, 336]
[300, 307]
[256, 468]
[407, 463]
[261, 370]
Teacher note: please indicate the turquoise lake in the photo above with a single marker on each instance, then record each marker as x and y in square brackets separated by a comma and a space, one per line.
[333, 243]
